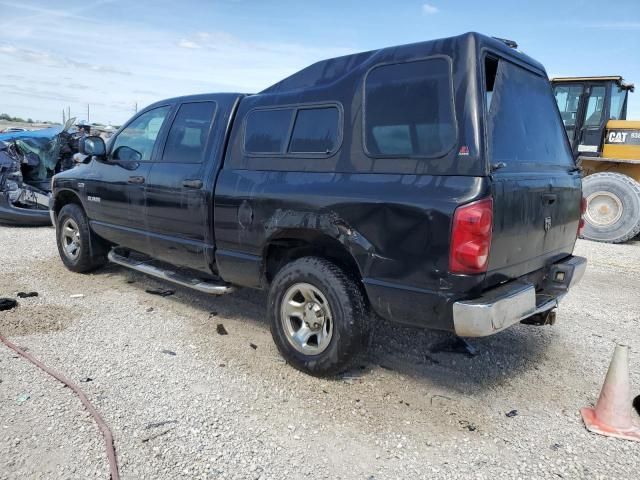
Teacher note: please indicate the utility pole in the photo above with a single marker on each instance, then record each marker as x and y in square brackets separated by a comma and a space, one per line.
[88, 121]
[63, 119]
[69, 112]
[135, 107]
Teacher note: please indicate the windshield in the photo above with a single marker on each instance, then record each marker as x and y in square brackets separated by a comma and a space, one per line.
[523, 122]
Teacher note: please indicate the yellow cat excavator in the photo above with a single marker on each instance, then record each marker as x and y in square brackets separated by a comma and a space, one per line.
[607, 146]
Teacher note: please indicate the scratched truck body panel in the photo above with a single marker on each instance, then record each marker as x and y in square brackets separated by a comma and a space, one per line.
[405, 181]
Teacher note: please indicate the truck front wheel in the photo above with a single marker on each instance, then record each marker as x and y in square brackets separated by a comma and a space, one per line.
[613, 207]
[318, 316]
[80, 250]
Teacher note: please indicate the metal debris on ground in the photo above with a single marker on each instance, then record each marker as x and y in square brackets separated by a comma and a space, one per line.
[512, 413]
[442, 397]
[77, 295]
[169, 352]
[159, 424]
[86, 379]
[350, 379]
[455, 345]
[221, 330]
[7, 304]
[145, 440]
[27, 294]
[468, 425]
[253, 345]
[22, 398]
[162, 292]
[430, 360]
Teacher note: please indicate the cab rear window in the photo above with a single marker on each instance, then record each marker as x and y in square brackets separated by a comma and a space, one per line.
[523, 122]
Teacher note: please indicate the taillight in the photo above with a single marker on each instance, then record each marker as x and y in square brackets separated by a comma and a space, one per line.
[583, 210]
[471, 237]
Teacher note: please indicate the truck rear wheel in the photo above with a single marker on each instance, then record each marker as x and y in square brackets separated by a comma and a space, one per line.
[80, 250]
[318, 316]
[613, 207]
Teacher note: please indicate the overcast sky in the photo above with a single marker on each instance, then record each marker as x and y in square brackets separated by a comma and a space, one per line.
[114, 53]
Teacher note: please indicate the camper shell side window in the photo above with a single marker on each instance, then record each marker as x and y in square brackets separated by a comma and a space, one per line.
[409, 109]
[304, 130]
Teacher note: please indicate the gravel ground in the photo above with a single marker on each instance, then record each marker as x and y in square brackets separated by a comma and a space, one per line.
[186, 402]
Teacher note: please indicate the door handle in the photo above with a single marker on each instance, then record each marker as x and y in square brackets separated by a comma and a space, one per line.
[136, 179]
[549, 198]
[192, 183]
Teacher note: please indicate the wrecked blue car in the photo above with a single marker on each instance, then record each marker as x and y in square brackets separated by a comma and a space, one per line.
[28, 160]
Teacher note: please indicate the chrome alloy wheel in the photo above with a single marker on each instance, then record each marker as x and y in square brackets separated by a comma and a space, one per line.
[306, 319]
[603, 208]
[70, 238]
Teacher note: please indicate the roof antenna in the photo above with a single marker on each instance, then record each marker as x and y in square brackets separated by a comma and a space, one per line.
[507, 42]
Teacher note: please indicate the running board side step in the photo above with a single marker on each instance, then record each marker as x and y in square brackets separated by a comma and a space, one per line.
[148, 269]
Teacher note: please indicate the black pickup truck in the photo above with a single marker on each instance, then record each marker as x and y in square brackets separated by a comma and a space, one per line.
[431, 184]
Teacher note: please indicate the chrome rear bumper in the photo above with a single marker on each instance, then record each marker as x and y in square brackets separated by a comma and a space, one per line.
[510, 303]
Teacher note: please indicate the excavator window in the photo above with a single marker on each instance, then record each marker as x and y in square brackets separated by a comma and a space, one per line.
[618, 97]
[586, 104]
[568, 100]
[595, 107]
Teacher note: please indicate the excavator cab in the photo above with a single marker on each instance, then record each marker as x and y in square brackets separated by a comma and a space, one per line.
[607, 147]
[586, 105]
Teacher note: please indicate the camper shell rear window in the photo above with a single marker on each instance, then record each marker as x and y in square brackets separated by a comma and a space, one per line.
[524, 126]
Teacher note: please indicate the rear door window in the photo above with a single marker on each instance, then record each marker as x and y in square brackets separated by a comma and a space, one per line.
[523, 123]
[189, 132]
[409, 109]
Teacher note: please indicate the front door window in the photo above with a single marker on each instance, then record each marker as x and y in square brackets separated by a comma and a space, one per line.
[136, 141]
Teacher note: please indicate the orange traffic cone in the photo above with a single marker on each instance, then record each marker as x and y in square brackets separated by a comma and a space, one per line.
[613, 415]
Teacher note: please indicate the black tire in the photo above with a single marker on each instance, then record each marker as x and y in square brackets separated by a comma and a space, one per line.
[613, 225]
[347, 308]
[91, 251]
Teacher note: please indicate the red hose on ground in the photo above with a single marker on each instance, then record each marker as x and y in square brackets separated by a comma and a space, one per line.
[106, 433]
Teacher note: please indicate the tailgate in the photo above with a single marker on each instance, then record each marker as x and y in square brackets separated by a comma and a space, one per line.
[535, 222]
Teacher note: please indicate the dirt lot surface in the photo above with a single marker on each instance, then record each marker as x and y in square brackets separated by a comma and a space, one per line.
[186, 402]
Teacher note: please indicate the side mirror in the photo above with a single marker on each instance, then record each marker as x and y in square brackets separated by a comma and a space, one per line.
[126, 154]
[92, 145]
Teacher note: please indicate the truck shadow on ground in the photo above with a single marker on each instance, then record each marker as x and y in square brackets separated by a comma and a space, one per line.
[424, 355]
